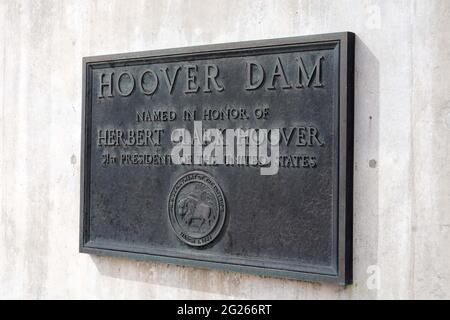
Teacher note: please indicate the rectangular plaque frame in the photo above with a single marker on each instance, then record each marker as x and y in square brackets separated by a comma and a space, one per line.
[342, 240]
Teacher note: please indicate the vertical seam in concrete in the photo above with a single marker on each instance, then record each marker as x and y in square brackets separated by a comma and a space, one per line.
[413, 219]
[4, 183]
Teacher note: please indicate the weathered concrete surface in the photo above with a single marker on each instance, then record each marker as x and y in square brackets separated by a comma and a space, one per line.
[402, 153]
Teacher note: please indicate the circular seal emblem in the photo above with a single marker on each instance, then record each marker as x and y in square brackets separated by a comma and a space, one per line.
[196, 208]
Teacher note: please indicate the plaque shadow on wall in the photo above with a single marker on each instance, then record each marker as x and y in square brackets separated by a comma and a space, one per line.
[366, 168]
[366, 148]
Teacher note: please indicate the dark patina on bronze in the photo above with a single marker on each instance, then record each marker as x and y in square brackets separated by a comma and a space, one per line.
[136, 202]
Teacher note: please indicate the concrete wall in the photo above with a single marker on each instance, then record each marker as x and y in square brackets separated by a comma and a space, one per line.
[402, 153]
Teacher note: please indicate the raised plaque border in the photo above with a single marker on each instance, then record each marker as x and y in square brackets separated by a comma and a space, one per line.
[344, 238]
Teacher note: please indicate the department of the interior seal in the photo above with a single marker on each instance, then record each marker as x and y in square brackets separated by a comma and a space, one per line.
[196, 208]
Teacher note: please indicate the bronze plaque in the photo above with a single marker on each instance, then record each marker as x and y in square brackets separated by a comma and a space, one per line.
[235, 156]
